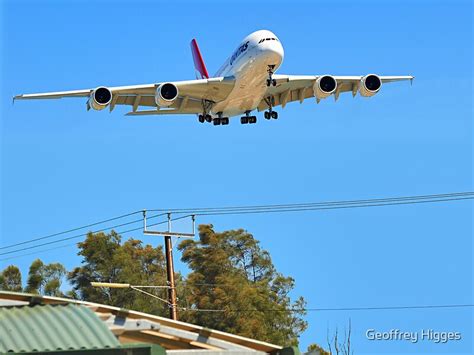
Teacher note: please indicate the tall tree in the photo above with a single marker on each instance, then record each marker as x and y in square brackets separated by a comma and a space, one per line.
[107, 259]
[232, 274]
[45, 279]
[10, 279]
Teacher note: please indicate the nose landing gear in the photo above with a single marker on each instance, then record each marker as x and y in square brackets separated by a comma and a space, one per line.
[270, 80]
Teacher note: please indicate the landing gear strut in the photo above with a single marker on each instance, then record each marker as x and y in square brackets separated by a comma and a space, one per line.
[206, 108]
[248, 119]
[270, 80]
[270, 113]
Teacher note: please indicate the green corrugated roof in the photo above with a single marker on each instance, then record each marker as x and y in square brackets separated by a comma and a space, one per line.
[52, 327]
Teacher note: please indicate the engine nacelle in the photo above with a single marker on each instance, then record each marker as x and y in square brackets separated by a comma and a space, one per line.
[369, 85]
[324, 86]
[165, 94]
[99, 99]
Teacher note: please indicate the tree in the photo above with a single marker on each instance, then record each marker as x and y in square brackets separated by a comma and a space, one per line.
[232, 274]
[107, 259]
[45, 279]
[10, 279]
[343, 347]
[317, 349]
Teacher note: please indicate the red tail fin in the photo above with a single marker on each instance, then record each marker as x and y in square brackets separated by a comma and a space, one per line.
[201, 71]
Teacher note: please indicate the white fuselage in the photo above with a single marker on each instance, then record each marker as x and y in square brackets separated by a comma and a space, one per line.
[249, 65]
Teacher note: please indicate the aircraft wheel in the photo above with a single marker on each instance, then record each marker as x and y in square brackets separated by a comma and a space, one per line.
[225, 120]
[274, 114]
[217, 121]
[208, 118]
[266, 114]
[244, 120]
[201, 118]
[274, 82]
[253, 119]
[269, 82]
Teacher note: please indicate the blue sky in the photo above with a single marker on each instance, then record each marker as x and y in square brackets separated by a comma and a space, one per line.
[63, 167]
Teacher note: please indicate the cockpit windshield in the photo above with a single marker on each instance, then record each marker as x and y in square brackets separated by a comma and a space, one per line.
[268, 39]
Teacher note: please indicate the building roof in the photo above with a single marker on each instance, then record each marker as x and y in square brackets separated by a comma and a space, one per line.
[131, 327]
[51, 328]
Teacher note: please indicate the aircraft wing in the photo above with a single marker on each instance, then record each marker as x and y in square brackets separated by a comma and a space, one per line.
[191, 94]
[291, 88]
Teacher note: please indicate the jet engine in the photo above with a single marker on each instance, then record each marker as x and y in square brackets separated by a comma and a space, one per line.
[100, 98]
[324, 86]
[369, 85]
[165, 94]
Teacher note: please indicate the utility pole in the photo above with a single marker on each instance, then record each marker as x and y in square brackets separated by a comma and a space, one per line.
[170, 273]
[172, 299]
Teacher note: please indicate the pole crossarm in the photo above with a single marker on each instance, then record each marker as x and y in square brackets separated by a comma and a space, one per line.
[168, 233]
[171, 234]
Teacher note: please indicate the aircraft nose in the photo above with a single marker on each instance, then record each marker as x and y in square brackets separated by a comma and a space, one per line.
[273, 50]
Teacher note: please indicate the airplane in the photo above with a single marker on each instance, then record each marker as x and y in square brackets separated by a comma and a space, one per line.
[245, 82]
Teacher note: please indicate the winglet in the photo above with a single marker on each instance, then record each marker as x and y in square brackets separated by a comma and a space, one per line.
[411, 80]
[199, 66]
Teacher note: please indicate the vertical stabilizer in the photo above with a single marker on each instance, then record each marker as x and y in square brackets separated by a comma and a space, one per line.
[199, 66]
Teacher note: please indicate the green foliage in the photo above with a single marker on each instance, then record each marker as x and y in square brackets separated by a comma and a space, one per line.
[107, 259]
[230, 272]
[316, 348]
[45, 279]
[10, 279]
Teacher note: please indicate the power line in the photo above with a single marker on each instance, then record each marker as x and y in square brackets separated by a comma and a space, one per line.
[297, 310]
[82, 235]
[70, 230]
[85, 234]
[260, 209]
[313, 204]
[284, 210]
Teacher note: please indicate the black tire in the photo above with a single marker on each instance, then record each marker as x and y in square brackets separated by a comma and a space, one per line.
[208, 118]
[269, 82]
[274, 82]
[244, 120]
[201, 118]
[225, 120]
[217, 121]
[266, 114]
[274, 114]
[252, 119]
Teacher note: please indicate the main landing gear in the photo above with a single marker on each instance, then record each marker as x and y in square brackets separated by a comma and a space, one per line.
[205, 118]
[248, 119]
[270, 80]
[270, 114]
[219, 120]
